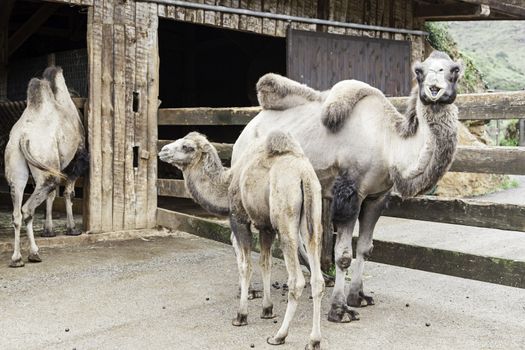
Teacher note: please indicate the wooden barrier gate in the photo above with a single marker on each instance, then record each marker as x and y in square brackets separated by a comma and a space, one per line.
[494, 160]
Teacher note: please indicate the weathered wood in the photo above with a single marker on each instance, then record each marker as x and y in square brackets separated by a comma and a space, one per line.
[152, 127]
[488, 269]
[224, 149]
[129, 139]
[172, 188]
[6, 7]
[93, 219]
[30, 26]
[119, 122]
[141, 116]
[207, 116]
[483, 106]
[500, 105]
[449, 12]
[107, 127]
[459, 211]
[426, 208]
[490, 160]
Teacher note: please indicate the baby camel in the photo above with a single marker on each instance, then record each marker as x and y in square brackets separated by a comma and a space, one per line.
[275, 188]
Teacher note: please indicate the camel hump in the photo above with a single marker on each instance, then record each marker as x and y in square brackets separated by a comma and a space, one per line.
[53, 74]
[279, 93]
[279, 142]
[38, 93]
[342, 99]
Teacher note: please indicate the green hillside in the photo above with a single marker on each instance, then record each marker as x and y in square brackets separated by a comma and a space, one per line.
[497, 49]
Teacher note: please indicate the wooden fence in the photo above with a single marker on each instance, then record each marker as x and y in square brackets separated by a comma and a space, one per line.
[494, 160]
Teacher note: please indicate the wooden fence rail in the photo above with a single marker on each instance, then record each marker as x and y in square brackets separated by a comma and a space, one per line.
[486, 106]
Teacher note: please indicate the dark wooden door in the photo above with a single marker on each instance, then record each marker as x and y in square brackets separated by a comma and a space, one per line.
[320, 60]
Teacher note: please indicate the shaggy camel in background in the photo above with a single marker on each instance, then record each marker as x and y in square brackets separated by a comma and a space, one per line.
[48, 141]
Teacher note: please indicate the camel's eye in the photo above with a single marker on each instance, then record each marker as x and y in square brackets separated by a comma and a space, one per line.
[419, 71]
[455, 70]
[187, 149]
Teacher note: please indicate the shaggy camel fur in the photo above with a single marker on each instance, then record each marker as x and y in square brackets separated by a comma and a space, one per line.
[274, 187]
[361, 148]
[48, 141]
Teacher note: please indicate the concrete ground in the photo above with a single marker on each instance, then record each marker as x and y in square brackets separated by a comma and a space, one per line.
[151, 293]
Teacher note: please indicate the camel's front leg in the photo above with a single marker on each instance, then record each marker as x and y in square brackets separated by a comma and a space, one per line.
[241, 240]
[370, 212]
[48, 226]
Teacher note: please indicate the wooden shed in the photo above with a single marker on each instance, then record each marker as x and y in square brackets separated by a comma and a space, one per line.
[196, 61]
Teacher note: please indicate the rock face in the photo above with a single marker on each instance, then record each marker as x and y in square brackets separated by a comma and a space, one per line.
[468, 184]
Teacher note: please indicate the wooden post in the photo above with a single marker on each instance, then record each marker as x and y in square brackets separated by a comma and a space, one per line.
[522, 132]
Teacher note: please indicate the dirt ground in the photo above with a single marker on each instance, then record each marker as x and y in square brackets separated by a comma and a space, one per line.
[151, 293]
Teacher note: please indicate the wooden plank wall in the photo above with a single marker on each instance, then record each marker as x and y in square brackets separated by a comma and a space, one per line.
[122, 115]
[387, 13]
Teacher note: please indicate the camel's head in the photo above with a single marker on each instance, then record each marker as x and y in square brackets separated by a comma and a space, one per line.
[185, 151]
[437, 77]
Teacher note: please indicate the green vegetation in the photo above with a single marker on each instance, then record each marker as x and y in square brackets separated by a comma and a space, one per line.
[440, 39]
[498, 49]
[509, 183]
[511, 134]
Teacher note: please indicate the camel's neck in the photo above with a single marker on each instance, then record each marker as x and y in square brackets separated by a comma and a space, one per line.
[436, 126]
[208, 183]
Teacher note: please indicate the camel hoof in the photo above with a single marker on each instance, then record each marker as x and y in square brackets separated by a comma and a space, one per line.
[241, 320]
[313, 345]
[342, 314]
[73, 232]
[48, 233]
[17, 263]
[275, 341]
[34, 258]
[357, 300]
[267, 313]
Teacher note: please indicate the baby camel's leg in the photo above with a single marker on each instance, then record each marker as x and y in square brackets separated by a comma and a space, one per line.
[48, 226]
[242, 245]
[313, 248]
[288, 234]
[266, 238]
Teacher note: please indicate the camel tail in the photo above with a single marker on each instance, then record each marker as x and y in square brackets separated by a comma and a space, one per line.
[342, 99]
[279, 142]
[308, 203]
[56, 173]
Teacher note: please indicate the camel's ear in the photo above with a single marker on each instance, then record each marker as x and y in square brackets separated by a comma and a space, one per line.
[417, 70]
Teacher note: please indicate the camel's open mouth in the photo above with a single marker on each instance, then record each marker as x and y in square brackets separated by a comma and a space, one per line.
[433, 92]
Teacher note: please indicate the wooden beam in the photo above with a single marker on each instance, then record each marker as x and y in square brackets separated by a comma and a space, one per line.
[459, 211]
[6, 6]
[207, 116]
[513, 8]
[59, 205]
[31, 26]
[450, 11]
[469, 159]
[484, 106]
[490, 160]
[426, 208]
[488, 269]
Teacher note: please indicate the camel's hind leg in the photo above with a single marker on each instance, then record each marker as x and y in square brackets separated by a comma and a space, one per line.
[288, 234]
[69, 194]
[370, 212]
[241, 240]
[44, 185]
[313, 249]
[266, 238]
[48, 226]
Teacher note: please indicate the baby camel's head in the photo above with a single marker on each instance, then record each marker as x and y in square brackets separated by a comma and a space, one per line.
[185, 151]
